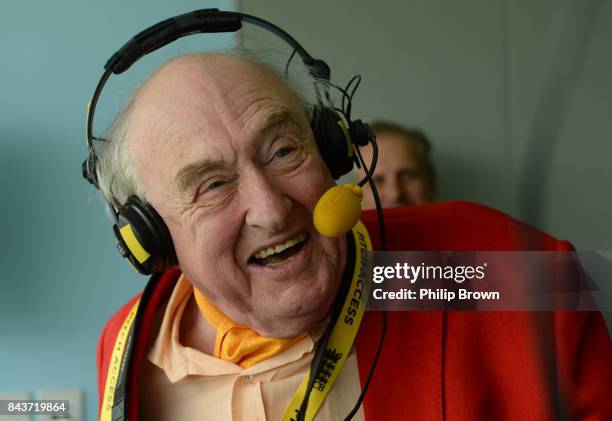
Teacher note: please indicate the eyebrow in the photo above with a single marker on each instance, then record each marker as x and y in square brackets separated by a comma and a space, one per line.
[189, 174]
[277, 116]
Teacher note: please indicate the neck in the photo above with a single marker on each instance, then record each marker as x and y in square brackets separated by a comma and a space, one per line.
[195, 331]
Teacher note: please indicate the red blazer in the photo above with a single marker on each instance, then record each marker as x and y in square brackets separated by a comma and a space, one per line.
[454, 365]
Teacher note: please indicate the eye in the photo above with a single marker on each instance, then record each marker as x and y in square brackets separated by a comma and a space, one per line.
[215, 185]
[284, 157]
[215, 190]
[406, 175]
[284, 151]
[211, 187]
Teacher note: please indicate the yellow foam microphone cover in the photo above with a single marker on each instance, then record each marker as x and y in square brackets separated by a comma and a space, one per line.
[338, 210]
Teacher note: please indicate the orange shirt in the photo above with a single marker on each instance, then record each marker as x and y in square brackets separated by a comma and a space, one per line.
[182, 383]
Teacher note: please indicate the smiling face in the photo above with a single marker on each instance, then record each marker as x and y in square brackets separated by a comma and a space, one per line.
[226, 156]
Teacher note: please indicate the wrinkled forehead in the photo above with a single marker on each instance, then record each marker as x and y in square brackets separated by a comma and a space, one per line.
[206, 112]
[193, 91]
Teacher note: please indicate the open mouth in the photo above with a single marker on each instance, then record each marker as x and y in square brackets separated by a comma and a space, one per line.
[277, 254]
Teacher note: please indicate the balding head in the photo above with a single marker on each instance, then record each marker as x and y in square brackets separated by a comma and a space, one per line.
[195, 94]
[224, 151]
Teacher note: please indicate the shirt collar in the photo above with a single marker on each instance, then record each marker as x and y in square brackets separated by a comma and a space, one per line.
[178, 361]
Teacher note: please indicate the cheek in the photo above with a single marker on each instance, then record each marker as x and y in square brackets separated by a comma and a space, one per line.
[310, 185]
[206, 256]
[417, 192]
[203, 241]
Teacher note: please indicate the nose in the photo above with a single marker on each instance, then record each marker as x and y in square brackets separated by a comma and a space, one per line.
[391, 194]
[267, 206]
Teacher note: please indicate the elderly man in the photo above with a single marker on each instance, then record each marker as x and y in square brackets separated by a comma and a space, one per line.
[405, 174]
[223, 150]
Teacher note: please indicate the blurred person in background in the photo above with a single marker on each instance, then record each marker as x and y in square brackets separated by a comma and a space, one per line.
[405, 174]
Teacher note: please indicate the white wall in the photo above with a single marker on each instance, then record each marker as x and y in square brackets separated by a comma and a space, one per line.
[486, 79]
[516, 95]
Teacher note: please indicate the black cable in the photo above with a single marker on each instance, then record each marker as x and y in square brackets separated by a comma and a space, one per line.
[314, 368]
[370, 171]
[383, 247]
[345, 97]
[379, 213]
[371, 373]
[357, 80]
[345, 105]
[289, 62]
[346, 89]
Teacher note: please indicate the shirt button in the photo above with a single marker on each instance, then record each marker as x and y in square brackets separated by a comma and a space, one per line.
[248, 378]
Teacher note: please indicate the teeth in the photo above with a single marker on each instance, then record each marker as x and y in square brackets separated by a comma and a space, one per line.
[280, 247]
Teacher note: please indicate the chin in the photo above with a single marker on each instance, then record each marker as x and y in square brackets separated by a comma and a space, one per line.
[294, 318]
[300, 297]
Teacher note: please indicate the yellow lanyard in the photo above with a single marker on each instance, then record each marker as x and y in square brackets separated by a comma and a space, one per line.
[342, 336]
[334, 356]
[115, 364]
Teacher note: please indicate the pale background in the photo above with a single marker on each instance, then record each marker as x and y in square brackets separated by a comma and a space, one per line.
[516, 96]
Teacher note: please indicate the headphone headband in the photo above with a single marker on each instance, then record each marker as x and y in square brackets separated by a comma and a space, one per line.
[203, 21]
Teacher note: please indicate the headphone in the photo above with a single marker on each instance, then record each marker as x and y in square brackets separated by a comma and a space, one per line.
[142, 236]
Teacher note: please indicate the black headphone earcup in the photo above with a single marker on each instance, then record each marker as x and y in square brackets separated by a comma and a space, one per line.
[334, 141]
[143, 237]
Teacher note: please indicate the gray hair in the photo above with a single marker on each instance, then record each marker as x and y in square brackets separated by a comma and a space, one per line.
[117, 177]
